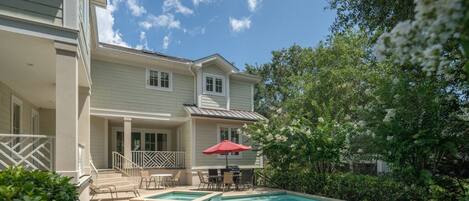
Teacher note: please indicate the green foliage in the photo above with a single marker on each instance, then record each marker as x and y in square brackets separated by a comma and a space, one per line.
[16, 183]
[346, 186]
[309, 100]
[373, 16]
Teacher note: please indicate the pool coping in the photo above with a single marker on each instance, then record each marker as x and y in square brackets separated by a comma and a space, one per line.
[210, 194]
[280, 191]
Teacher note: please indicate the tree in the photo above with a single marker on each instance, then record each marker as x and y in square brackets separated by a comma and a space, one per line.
[312, 119]
[373, 16]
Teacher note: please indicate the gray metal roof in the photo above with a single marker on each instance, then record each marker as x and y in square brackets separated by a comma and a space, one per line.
[223, 114]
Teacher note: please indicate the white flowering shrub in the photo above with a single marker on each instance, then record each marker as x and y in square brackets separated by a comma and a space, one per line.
[421, 42]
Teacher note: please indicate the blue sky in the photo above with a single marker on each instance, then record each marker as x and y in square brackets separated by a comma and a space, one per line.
[243, 31]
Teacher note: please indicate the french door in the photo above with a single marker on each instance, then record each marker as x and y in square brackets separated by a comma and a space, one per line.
[141, 140]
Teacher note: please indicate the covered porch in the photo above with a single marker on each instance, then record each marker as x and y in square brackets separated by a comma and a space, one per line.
[44, 105]
[149, 143]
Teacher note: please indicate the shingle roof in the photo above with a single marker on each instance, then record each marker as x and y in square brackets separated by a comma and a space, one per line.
[223, 114]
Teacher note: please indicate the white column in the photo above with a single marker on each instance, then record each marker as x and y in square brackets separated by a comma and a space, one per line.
[127, 137]
[106, 143]
[84, 126]
[66, 91]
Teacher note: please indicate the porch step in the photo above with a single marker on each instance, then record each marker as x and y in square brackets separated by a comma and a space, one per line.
[112, 177]
[109, 175]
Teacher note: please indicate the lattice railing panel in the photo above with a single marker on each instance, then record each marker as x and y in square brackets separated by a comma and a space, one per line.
[30, 151]
[159, 159]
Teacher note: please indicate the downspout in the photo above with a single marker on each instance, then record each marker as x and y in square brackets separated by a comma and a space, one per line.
[195, 83]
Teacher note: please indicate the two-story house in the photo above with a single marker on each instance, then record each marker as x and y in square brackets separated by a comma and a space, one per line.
[73, 105]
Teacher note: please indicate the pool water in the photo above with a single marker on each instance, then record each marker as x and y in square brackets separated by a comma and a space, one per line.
[277, 197]
[178, 196]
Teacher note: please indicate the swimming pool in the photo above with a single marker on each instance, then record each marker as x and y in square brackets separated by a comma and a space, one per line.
[282, 196]
[178, 195]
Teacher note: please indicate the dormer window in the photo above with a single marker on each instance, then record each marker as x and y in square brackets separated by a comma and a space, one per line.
[214, 84]
[159, 80]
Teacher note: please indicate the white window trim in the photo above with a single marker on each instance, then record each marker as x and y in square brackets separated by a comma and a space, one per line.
[17, 101]
[147, 77]
[223, 82]
[218, 140]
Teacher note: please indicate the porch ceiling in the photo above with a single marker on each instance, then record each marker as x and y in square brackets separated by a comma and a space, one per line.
[27, 65]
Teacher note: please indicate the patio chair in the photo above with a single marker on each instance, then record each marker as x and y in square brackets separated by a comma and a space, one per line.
[227, 180]
[146, 178]
[131, 189]
[202, 180]
[103, 189]
[175, 179]
[247, 178]
[213, 178]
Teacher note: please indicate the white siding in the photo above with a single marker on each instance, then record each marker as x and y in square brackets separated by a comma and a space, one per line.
[240, 95]
[123, 87]
[207, 136]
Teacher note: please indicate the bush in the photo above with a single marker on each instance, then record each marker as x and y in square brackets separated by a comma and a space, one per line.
[16, 183]
[347, 186]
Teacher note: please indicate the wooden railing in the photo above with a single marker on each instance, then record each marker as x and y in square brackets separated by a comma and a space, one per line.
[125, 166]
[30, 151]
[159, 159]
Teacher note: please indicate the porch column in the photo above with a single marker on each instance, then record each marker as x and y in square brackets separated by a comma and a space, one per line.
[127, 137]
[66, 92]
[84, 125]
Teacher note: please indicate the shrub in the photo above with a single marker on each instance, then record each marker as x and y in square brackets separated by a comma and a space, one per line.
[17, 183]
[347, 186]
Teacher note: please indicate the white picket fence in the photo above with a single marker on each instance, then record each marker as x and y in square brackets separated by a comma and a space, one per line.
[30, 151]
[159, 159]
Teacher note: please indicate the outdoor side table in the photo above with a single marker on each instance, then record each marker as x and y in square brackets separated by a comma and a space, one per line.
[162, 178]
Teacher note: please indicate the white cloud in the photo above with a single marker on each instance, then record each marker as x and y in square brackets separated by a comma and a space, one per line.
[253, 4]
[197, 2]
[106, 31]
[143, 42]
[165, 20]
[238, 25]
[143, 35]
[176, 5]
[195, 31]
[166, 42]
[135, 8]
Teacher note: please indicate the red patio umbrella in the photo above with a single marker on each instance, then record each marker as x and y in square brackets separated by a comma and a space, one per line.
[226, 147]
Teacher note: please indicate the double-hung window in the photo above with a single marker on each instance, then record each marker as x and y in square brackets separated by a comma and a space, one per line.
[160, 80]
[230, 133]
[214, 84]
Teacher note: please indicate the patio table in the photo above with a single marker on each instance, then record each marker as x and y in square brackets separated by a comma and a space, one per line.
[161, 178]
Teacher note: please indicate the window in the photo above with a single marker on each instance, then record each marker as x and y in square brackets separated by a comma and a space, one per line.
[230, 133]
[159, 80]
[120, 142]
[150, 142]
[209, 84]
[161, 142]
[16, 108]
[218, 85]
[135, 139]
[214, 84]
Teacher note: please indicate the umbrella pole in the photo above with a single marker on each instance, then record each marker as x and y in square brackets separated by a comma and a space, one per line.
[226, 159]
